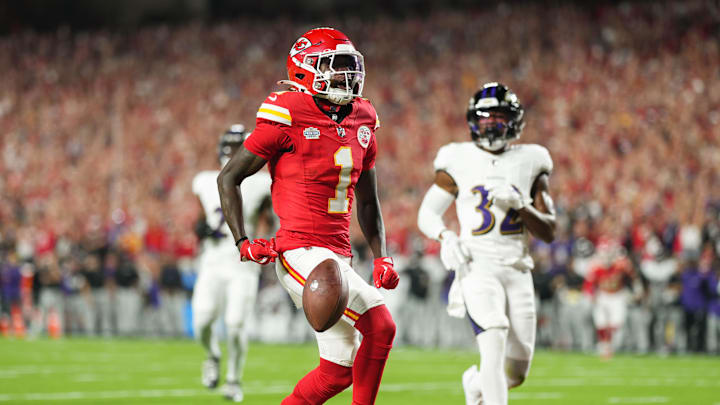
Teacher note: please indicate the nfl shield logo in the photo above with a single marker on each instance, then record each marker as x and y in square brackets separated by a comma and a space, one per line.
[341, 132]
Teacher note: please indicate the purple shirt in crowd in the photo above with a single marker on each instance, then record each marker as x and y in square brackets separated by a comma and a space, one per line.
[714, 306]
[696, 289]
[10, 282]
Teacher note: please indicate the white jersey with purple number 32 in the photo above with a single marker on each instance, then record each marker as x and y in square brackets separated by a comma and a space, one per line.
[490, 232]
[221, 250]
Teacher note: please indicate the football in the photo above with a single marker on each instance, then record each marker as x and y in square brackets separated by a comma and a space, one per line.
[325, 295]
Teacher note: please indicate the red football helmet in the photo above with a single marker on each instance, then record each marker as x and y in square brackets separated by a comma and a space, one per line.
[323, 62]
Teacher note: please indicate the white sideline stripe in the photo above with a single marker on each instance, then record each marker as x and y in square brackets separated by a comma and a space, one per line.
[638, 400]
[609, 382]
[58, 396]
[536, 395]
[258, 390]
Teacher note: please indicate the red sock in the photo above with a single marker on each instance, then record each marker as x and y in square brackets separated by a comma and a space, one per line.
[321, 384]
[602, 334]
[378, 330]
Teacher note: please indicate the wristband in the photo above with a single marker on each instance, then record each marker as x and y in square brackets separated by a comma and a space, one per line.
[239, 241]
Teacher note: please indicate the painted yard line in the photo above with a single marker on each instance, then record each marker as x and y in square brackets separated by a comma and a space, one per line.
[258, 390]
[59, 396]
[605, 382]
[638, 400]
[536, 395]
[96, 368]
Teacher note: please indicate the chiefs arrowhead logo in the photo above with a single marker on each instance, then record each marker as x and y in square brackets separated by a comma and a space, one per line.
[364, 135]
[300, 45]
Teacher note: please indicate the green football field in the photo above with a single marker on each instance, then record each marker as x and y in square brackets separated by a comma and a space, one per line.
[167, 372]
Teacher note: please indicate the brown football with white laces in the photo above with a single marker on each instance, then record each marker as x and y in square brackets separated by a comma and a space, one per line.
[325, 295]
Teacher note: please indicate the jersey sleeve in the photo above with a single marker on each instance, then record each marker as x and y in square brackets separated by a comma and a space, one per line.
[543, 161]
[196, 184]
[274, 109]
[370, 154]
[269, 137]
[267, 140]
[443, 158]
[370, 120]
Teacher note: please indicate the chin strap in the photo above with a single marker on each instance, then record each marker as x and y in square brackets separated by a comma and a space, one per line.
[333, 98]
[296, 85]
[339, 99]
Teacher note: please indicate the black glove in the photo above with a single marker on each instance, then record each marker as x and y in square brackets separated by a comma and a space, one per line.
[203, 230]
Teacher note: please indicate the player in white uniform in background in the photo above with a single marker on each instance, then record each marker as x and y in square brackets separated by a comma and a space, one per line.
[225, 284]
[501, 194]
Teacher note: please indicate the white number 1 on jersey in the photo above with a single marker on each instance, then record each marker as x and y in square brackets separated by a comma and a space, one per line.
[341, 203]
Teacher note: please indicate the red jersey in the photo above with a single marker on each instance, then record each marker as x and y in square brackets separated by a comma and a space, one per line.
[315, 164]
[609, 279]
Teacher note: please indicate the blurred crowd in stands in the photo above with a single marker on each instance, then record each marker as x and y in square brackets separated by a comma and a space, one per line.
[101, 133]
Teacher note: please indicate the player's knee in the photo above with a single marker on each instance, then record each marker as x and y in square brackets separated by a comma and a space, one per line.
[202, 320]
[386, 329]
[377, 324]
[340, 379]
[234, 330]
[342, 382]
[234, 323]
[326, 381]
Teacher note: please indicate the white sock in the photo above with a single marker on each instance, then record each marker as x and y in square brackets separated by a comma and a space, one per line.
[237, 347]
[493, 383]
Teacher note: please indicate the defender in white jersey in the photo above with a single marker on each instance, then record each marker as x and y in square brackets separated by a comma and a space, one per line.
[225, 284]
[501, 196]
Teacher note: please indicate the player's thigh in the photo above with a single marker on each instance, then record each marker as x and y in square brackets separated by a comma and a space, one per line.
[241, 292]
[521, 313]
[484, 296]
[361, 295]
[618, 309]
[208, 295]
[600, 313]
[339, 344]
[295, 266]
[292, 274]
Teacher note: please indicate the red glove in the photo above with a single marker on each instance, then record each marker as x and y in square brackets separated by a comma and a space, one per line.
[259, 251]
[383, 273]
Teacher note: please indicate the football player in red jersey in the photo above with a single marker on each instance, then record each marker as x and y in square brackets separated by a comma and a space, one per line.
[606, 284]
[319, 139]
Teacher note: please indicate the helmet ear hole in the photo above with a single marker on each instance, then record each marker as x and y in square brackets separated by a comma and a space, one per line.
[300, 75]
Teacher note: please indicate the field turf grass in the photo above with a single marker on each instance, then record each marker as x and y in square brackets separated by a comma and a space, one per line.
[81, 371]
